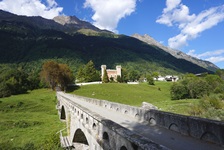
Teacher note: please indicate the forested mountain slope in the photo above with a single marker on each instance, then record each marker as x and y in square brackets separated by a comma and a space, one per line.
[29, 41]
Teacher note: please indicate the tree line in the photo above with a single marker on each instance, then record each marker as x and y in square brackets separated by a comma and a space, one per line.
[15, 80]
[18, 80]
[192, 86]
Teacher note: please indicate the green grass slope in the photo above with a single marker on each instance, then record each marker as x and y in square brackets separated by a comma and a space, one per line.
[158, 95]
[28, 119]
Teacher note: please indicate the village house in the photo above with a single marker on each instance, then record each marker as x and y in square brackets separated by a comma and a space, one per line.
[171, 78]
[111, 72]
[168, 78]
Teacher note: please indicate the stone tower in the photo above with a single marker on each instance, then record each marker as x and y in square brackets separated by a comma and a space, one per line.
[103, 67]
[118, 68]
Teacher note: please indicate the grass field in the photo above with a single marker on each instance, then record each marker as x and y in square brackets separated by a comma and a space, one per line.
[158, 95]
[28, 119]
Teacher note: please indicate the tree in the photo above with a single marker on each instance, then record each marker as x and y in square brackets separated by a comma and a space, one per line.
[105, 77]
[134, 75]
[88, 73]
[91, 73]
[198, 88]
[178, 91]
[155, 75]
[214, 82]
[220, 73]
[150, 80]
[81, 75]
[124, 75]
[50, 73]
[53, 74]
[119, 79]
[13, 81]
[65, 76]
[190, 87]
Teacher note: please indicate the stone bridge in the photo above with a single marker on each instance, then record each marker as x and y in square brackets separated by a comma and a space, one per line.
[98, 124]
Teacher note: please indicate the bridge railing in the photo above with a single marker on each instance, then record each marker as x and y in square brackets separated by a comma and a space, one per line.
[200, 128]
[103, 125]
[203, 129]
[133, 111]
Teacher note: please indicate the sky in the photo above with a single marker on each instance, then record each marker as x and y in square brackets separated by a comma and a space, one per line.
[195, 27]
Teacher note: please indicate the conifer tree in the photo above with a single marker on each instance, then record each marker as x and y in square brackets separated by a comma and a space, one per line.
[105, 78]
[88, 73]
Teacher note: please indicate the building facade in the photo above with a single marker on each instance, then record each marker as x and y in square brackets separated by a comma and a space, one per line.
[111, 72]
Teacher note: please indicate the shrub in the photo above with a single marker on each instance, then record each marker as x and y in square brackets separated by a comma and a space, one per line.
[209, 107]
[197, 88]
[150, 80]
[178, 91]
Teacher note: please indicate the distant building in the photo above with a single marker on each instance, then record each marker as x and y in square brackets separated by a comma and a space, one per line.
[160, 78]
[171, 78]
[111, 72]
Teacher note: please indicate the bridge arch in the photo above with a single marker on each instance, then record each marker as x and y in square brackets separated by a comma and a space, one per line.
[105, 136]
[63, 114]
[152, 121]
[174, 127]
[79, 137]
[94, 126]
[209, 136]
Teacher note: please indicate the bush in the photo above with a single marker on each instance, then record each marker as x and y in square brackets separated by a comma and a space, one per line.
[12, 82]
[210, 107]
[178, 91]
[198, 88]
[150, 80]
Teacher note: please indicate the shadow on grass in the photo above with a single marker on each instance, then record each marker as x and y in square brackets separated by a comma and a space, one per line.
[72, 88]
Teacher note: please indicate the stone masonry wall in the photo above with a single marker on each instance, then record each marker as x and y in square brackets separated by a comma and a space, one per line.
[203, 129]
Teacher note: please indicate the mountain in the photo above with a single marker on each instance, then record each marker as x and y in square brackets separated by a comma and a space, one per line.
[29, 41]
[176, 53]
[74, 22]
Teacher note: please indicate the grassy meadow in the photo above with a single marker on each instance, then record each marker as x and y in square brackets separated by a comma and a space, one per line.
[158, 95]
[28, 120]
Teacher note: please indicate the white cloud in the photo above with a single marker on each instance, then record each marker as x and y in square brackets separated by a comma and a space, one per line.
[192, 53]
[216, 59]
[171, 4]
[212, 56]
[190, 26]
[107, 13]
[32, 7]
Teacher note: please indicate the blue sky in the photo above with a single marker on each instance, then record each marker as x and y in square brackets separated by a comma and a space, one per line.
[195, 27]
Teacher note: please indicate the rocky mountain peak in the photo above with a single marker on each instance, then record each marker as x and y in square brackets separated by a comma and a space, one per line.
[66, 20]
[72, 22]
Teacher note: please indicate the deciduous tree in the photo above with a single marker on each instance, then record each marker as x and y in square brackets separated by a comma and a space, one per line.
[65, 76]
[50, 73]
[53, 74]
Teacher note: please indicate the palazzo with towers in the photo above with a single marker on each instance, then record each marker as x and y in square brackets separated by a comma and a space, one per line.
[111, 72]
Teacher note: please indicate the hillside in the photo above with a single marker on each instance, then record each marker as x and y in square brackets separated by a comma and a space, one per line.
[29, 121]
[28, 41]
[176, 53]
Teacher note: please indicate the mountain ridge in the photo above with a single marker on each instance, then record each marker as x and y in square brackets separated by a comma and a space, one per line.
[176, 53]
[32, 40]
